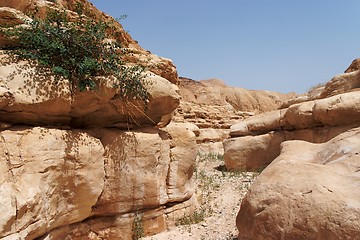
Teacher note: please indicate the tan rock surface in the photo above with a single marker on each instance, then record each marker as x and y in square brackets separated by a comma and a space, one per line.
[183, 151]
[10, 17]
[256, 140]
[252, 152]
[261, 123]
[148, 177]
[143, 175]
[29, 91]
[165, 162]
[78, 183]
[44, 180]
[301, 116]
[126, 155]
[309, 192]
[338, 110]
[354, 66]
[256, 152]
[342, 83]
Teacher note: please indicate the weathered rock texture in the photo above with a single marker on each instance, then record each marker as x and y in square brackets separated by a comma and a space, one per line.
[87, 165]
[213, 107]
[346, 82]
[256, 141]
[311, 191]
[148, 176]
[45, 180]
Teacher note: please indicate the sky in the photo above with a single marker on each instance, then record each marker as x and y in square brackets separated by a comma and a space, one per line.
[276, 45]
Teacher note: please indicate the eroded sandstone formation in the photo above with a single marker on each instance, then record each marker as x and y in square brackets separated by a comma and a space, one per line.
[309, 188]
[87, 165]
[311, 191]
[214, 107]
[255, 142]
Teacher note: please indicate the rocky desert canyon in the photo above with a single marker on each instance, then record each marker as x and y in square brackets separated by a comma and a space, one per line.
[202, 160]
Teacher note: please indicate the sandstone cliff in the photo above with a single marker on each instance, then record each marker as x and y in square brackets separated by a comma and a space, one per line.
[88, 165]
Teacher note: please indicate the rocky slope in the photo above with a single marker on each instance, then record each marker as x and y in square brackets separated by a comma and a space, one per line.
[88, 165]
[309, 191]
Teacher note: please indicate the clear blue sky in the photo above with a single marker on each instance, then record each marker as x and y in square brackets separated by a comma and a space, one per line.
[280, 45]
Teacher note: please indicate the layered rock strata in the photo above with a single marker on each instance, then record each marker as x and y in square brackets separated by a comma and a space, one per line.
[214, 107]
[89, 165]
[255, 142]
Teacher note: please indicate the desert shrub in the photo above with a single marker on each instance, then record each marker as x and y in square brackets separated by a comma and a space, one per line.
[211, 156]
[197, 216]
[79, 50]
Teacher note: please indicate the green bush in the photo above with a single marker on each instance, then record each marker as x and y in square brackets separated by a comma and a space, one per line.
[79, 51]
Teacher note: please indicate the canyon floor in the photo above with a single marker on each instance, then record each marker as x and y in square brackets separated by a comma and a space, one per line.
[219, 193]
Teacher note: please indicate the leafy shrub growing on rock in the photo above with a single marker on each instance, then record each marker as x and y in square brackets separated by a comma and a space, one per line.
[79, 50]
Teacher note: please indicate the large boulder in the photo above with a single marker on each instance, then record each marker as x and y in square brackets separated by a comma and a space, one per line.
[311, 191]
[258, 124]
[252, 152]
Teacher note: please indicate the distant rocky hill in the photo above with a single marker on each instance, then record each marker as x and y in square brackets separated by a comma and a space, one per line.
[213, 107]
[215, 92]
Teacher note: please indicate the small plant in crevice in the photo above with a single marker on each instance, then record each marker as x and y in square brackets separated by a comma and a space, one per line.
[79, 50]
[197, 216]
[137, 227]
[210, 157]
